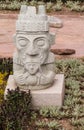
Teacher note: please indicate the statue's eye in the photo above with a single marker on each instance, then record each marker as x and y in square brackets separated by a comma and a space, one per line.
[23, 42]
[41, 42]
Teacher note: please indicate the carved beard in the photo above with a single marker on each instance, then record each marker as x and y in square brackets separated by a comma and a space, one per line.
[41, 57]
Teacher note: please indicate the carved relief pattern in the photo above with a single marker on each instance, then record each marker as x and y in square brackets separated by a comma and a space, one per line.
[33, 63]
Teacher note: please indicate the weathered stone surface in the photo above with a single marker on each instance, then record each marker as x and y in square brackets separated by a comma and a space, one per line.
[52, 96]
[33, 63]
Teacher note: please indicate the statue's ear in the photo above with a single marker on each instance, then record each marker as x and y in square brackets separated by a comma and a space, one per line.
[14, 39]
[52, 38]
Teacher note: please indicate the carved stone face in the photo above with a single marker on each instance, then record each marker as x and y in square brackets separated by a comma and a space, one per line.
[33, 45]
[32, 68]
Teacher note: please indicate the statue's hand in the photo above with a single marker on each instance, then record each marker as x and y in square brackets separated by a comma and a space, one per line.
[26, 75]
[20, 80]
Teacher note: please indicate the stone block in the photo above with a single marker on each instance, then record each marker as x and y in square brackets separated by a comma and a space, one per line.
[52, 96]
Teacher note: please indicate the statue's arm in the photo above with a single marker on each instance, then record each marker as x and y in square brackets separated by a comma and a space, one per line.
[18, 74]
[48, 78]
[48, 74]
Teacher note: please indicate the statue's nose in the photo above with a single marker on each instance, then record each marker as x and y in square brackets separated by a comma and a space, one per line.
[31, 51]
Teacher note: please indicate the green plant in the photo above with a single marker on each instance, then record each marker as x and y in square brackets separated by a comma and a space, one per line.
[58, 6]
[33, 115]
[54, 112]
[49, 6]
[54, 125]
[16, 109]
[14, 5]
[74, 6]
[72, 84]
[33, 2]
[6, 65]
[40, 123]
[2, 6]
[51, 125]
[3, 78]
[44, 111]
[71, 68]
[50, 112]
[41, 3]
[82, 8]
[76, 112]
[69, 4]
[5, 71]
[77, 122]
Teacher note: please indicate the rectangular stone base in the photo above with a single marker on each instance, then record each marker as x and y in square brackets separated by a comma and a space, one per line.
[52, 96]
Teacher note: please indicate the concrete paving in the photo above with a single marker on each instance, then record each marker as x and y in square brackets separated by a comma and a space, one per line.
[71, 36]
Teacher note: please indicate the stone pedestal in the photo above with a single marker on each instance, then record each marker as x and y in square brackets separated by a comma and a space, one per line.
[52, 96]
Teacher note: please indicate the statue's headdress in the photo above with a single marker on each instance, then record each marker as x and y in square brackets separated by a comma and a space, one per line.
[32, 20]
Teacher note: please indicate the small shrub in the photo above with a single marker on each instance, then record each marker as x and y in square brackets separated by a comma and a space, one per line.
[6, 65]
[70, 68]
[16, 110]
[44, 111]
[41, 3]
[51, 125]
[50, 112]
[40, 124]
[78, 123]
[33, 3]
[54, 125]
[55, 112]
[82, 8]
[49, 6]
[58, 6]
[74, 6]
[69, 4]
[72, 84]
[3, 78]
[12, 5]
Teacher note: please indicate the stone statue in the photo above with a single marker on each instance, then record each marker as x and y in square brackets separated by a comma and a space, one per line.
[33, 63]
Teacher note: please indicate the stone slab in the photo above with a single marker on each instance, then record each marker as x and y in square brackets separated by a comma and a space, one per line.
[53, 96]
